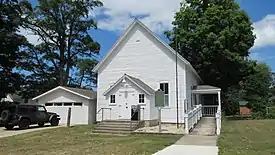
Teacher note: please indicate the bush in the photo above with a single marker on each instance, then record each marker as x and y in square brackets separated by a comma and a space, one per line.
[239, 117]
[258, 115]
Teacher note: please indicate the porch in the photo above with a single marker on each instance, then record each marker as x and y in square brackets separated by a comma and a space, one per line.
[199, 109]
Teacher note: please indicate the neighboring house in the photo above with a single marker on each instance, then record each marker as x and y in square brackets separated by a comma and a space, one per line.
[244, 110]
[15, 98]
[81, 101]
[137, 65]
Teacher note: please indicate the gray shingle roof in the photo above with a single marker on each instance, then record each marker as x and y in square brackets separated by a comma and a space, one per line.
[204, 87]
[134, 80]
[141, 84]
[85, 92]
[16, 98]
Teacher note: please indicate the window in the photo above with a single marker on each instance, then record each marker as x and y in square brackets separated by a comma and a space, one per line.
[78, 104]
[48, 104]
[22, 109]
[165, 87]
[141, 98]
[68, 104]
[112, 99]
[42, 109]
[32, 109]
[57, 104]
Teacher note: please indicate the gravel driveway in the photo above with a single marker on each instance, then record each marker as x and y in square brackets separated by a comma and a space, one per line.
[16, 131]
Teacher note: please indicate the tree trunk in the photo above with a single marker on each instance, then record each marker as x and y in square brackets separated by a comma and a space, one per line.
[61, 65]
[67, 73]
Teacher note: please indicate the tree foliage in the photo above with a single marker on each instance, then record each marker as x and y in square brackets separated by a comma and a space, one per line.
[215, 37]
[62, 26]
[257, 87]
[10, 43]
[85, 75]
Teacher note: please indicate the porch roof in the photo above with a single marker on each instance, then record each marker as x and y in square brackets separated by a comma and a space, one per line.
[205, 89]
[140, 84]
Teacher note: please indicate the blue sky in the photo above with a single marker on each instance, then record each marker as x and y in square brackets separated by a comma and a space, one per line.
[116, 16]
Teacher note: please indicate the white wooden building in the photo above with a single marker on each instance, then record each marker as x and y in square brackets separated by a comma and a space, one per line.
[81, 101]
[137, 65]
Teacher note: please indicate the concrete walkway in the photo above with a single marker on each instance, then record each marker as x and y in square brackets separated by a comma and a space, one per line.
[192, 145]
[16, 131]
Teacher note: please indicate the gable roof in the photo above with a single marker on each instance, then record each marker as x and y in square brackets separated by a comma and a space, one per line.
[85, 93]
[243, 103]
[128, 30]
[15, 97]
[143, 86]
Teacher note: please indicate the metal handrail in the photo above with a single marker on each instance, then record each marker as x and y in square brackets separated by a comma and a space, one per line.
[131, 119]
[101, 109]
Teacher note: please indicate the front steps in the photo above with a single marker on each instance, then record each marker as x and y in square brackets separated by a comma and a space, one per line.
[116, 126]
[206, 127]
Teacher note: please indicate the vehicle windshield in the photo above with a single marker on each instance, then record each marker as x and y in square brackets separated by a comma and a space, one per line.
[41, 108]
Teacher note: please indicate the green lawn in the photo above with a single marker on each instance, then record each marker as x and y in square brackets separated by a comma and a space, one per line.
[247, 137]
[79, 140]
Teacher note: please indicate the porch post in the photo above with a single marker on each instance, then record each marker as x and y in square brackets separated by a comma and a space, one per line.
[219, 100]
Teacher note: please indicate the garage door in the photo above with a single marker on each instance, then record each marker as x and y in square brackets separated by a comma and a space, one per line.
[79, 113]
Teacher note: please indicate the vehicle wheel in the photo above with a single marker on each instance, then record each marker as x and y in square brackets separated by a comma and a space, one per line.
[5, 115]
[9, 127]
[54, 121]
[41, 124]
[24, 124]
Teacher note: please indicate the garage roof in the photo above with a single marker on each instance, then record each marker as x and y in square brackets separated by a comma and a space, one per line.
[85, 93]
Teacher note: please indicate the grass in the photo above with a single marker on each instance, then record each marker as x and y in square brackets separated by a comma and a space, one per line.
[247, 137]
[80, 140]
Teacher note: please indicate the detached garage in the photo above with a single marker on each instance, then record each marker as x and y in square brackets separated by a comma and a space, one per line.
[81, 101]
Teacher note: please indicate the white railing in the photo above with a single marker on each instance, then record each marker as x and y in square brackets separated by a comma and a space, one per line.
[102, 112]
[192, 118]
[209, 110]
[218, 121]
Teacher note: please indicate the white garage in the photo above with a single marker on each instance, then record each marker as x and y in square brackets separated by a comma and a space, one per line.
[81, 101]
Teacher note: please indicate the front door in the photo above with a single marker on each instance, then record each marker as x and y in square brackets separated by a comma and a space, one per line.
[124, 105]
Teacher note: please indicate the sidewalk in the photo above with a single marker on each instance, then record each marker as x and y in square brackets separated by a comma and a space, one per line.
[192, 145]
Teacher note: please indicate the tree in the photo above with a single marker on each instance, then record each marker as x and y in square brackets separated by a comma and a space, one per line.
[85, 77]
[62, 26]
[215, 37]
[10, 43]
[257, 87]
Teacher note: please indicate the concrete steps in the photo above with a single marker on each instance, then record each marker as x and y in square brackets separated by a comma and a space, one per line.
[206, 127]
[116, 126]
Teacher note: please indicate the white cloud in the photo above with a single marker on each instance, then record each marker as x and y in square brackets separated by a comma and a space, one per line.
[33, 39]
[265, 31]
[156, 14]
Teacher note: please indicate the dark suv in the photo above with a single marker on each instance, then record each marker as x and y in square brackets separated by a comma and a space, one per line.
[24, 115]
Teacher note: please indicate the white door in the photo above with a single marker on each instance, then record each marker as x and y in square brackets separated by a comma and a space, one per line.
[124, 105]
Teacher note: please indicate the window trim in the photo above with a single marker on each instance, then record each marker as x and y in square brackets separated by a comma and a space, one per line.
[163, 82]
[80, 104]
[55, 104]
[110, 100]
[141, 97]
[48, 104]
[68, 104]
